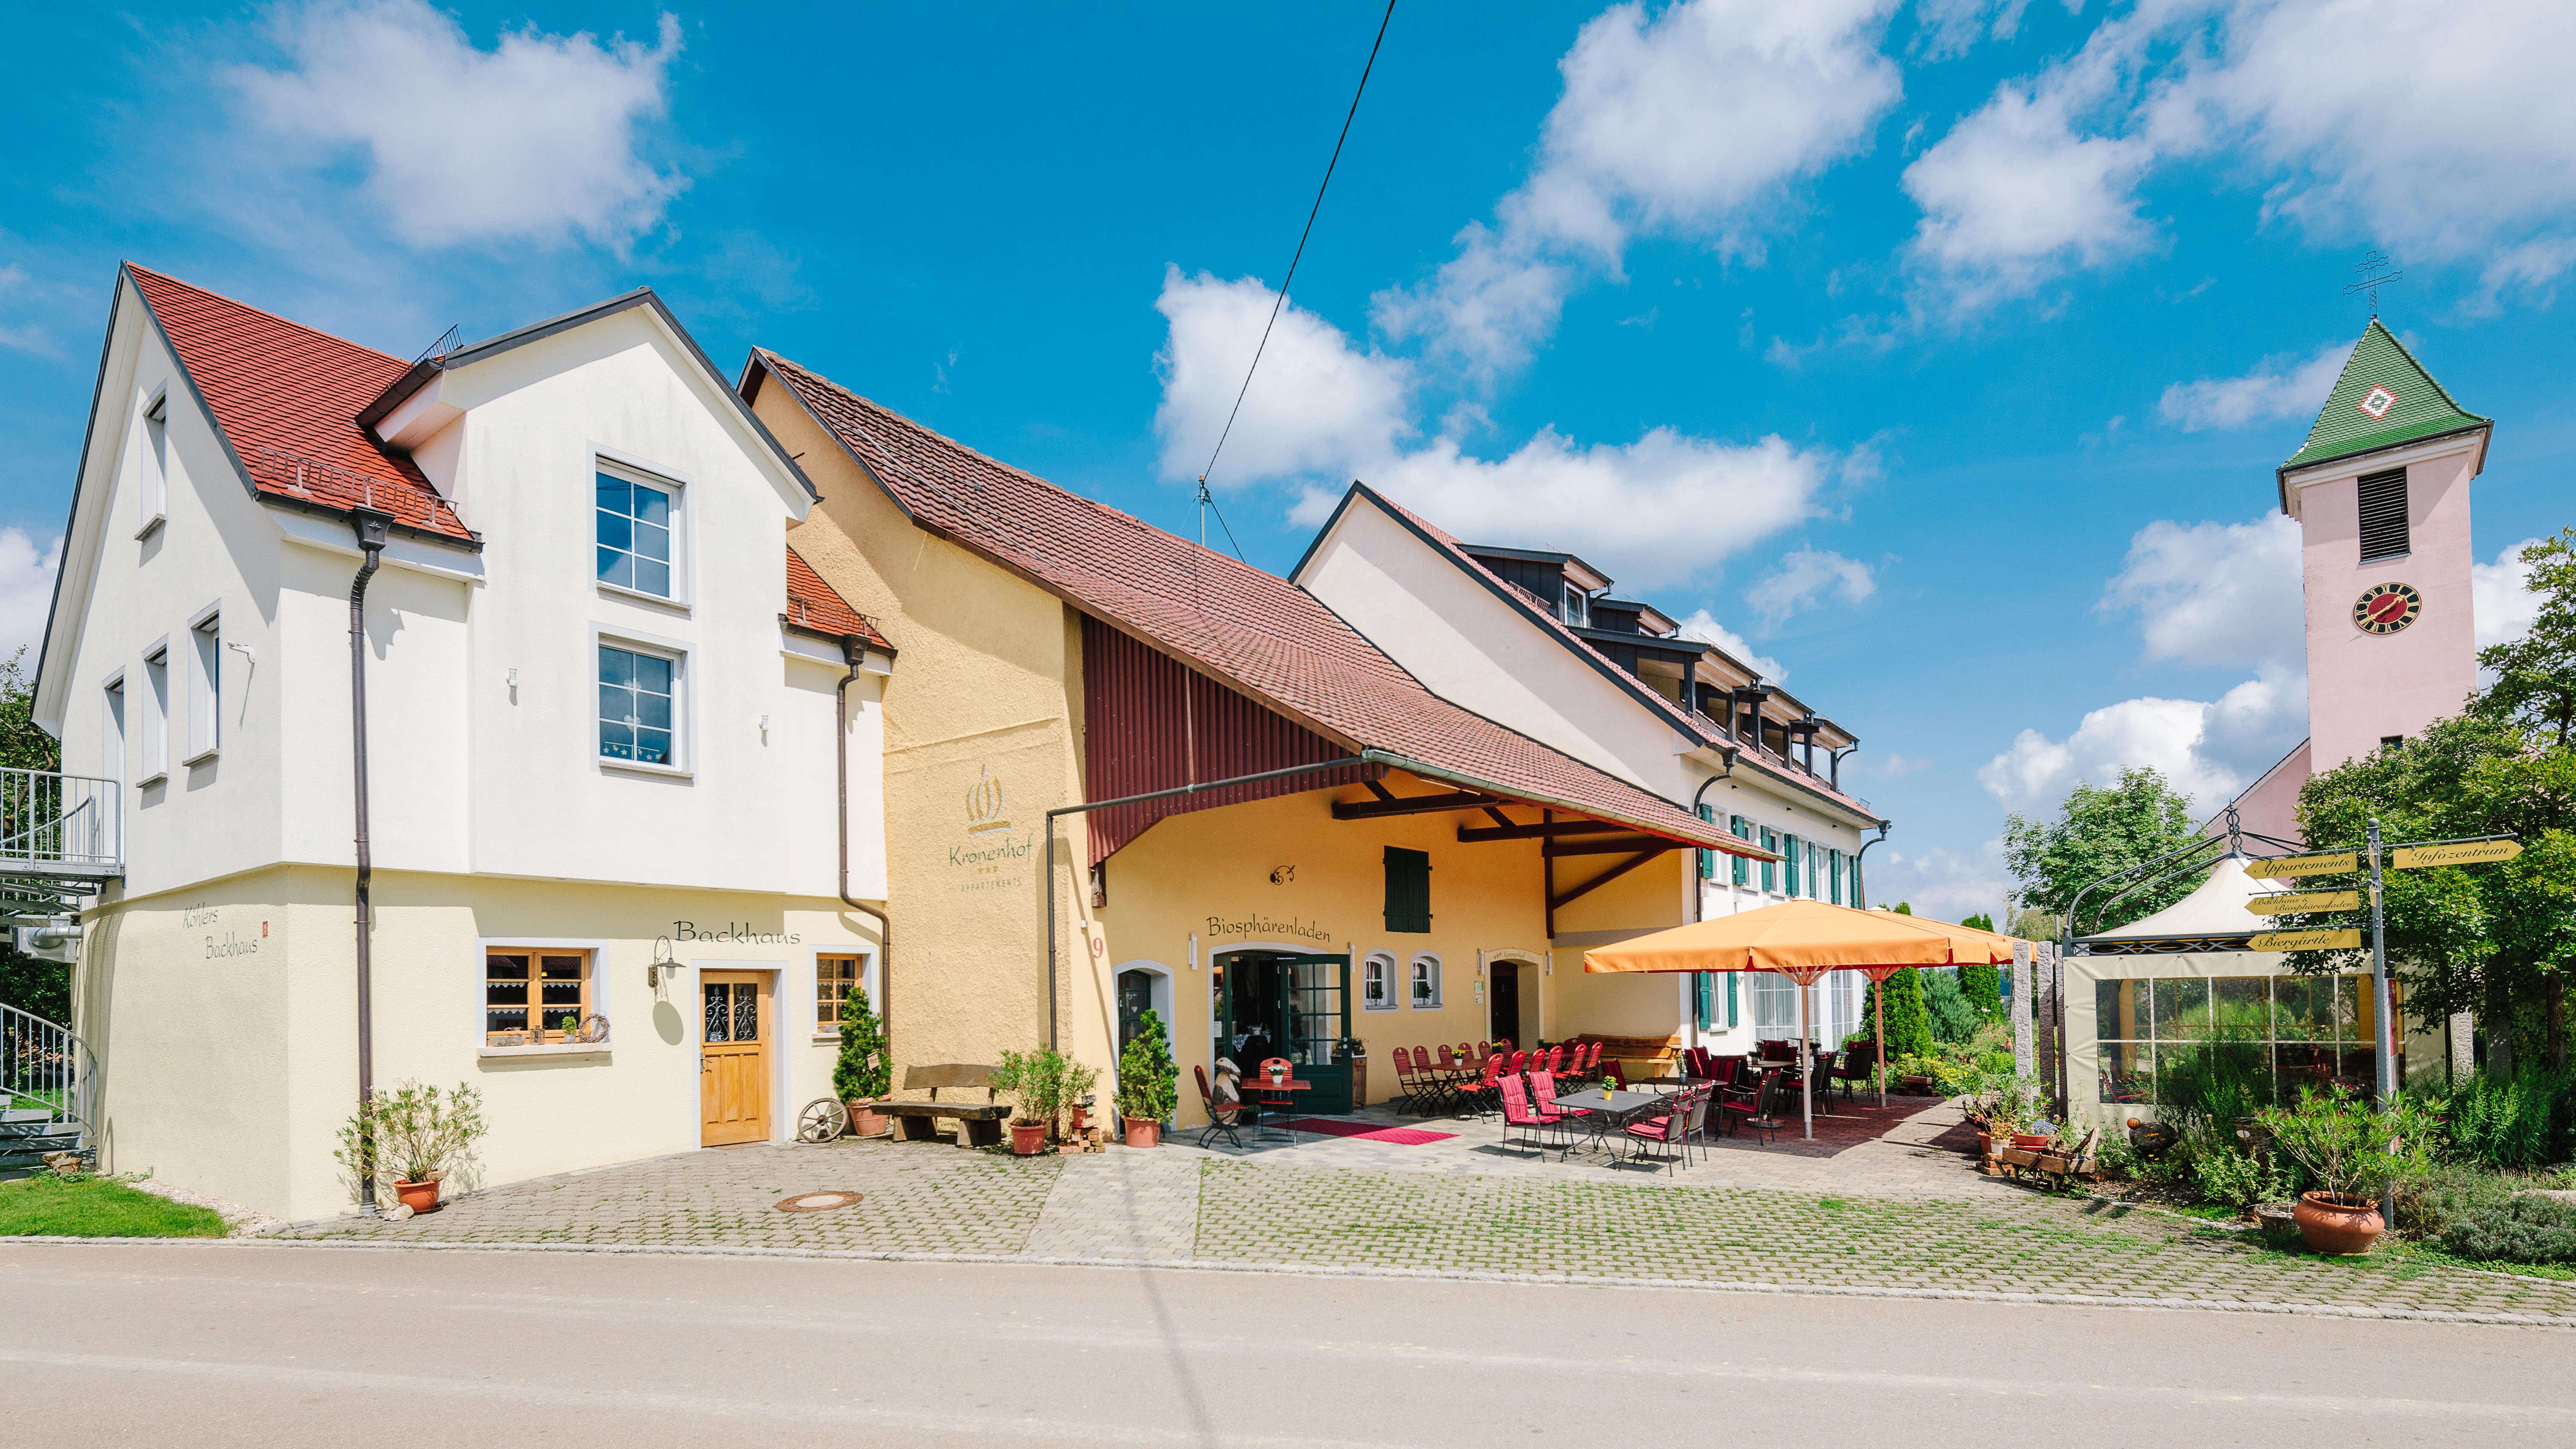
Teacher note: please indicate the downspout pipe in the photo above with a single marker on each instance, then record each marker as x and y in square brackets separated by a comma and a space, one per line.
[371, 527]
[1860, 877]
[1365, 757]
[854, 652]
[1699, 889]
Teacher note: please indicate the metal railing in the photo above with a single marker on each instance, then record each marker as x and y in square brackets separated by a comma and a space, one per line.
[47, 818]
[45, 1068]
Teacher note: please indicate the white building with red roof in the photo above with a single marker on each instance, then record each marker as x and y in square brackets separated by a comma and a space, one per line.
[605, 880]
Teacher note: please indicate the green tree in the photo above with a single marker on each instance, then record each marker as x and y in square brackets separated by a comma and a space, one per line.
[1978, 922]
[1982, 987]
[1148, 1082]
[2535, 675]
[2099, 832]
[860, 1072]
[41, 987]
[1909, 1020]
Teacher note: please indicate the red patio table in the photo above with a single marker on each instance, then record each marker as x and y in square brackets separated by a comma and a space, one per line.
[1282, 1090]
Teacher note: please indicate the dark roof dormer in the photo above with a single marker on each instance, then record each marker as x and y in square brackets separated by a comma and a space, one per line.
[1561, 582]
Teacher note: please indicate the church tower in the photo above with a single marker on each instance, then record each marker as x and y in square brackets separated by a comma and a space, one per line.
[2381, 493]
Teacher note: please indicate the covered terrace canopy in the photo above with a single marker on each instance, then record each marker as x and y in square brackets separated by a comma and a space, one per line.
[1803, 940]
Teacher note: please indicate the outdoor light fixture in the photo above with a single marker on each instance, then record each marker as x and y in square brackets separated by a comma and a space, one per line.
[661, 959]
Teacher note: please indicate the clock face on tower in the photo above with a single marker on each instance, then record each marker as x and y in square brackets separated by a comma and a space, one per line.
[2386, 608]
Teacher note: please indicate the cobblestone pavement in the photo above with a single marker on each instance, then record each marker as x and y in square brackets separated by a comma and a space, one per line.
[1290, 1207]
[920, 1199]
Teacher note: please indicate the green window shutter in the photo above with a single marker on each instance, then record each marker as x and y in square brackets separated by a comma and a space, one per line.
[1408, 890]
[1702, 1000]
[1708, 858]
[1834, 864]
[1730, 998]
[1741, 829]
[1770, 869]
[1789, 863]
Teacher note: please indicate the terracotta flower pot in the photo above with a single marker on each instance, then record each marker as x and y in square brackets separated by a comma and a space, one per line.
[420, 1197]
[1985, 1144]
[1028, 1139]
[865, 1120]
[2030, 1141]
[1141, 1133]
[2337, 1226]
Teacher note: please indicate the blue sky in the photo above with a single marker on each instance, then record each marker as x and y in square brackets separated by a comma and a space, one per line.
[1938, 353]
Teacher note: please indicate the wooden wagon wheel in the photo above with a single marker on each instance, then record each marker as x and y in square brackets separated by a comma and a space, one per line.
[594, 1028]
[823, 1121]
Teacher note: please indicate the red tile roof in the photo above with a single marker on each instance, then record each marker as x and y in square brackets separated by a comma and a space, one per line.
[1256, 632]
[1691, 722]
[287, 399]
[817, 607]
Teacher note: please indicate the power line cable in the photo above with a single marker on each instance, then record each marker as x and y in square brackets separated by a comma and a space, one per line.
[1206, 499]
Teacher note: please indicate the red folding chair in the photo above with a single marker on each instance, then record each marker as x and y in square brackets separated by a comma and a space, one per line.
[1543, 1101]
[1517, 1113]
[1223, 1117]
[1480, 1097]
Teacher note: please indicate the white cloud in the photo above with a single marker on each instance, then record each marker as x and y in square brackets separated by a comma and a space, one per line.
[2017, 193]
[533, 139]
[2208, 749]
[2225, 594]
[1893, 767]
[26, 591]
[1653, 512]
[1948, 29]
[1316, 405]
[1942, 883]
[2501, 593]
[1694, 122]
[1804, 576]
[1703, 626]
[2280, 386]
[2446, 132]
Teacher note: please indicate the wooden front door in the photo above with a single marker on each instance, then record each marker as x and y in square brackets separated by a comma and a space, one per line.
[733, 1070]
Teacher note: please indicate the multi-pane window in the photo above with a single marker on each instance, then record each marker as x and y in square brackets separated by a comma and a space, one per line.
[156, 716]
[732, 1010]
[1377, 983]
[635, 697]
[2282, 1032]
[533, 997]
[1426, 981]
[833, 978]
[634, 521]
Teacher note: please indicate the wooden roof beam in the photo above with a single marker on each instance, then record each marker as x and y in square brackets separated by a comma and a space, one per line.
[1416, 805]
[1560, 902]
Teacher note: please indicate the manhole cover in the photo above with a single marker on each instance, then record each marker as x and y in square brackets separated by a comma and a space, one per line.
[816, 1202]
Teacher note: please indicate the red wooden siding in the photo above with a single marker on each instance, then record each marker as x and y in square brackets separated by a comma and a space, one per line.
[1150, 724]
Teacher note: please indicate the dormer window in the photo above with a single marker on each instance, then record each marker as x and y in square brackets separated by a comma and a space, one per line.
[637, 525]
[1577, 609]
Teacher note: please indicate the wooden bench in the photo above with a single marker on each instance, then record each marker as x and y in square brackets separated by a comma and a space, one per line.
[979, 1124]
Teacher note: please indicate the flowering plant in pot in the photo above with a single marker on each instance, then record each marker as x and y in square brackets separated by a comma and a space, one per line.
[860, 1076]
[2353, 1153]
[1148, 1083]
[411, 1138]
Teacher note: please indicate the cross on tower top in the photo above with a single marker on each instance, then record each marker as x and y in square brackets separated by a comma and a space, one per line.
[2379, 271]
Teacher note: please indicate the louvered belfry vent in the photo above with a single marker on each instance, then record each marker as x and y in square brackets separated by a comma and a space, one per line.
[2383, 515]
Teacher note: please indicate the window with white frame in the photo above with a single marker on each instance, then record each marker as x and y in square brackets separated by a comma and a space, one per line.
[637, 530]
[835, 975]
[1377, 982]
[638, 698]
[1424, 978]
[111, 729]
[153, 494]
[205, 686]
[155, 763]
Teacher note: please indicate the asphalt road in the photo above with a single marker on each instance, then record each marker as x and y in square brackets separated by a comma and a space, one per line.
[198, 1344]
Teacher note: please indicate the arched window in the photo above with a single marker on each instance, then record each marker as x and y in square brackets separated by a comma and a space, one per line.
[1423, 982]
[1377, 981]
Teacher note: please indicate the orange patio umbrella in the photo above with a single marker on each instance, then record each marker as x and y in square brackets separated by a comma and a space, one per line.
[1803, 940]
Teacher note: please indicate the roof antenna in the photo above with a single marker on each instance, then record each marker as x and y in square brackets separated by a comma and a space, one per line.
[2379, 273]
[445, 344]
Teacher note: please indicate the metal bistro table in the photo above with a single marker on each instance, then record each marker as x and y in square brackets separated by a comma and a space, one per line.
[1605, 1116]
[1285, 1105]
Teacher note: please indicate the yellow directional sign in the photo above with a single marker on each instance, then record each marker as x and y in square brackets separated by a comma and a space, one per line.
[2467, 852]
[2328, 864]
[2305, 901]
[2305, 941]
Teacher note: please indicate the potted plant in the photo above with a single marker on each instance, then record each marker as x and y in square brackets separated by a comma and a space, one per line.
[1148, 1083]
[1073, 1093]
[860, 1076]
[2353, 1153]
[412, 1137]
[1035, 1082]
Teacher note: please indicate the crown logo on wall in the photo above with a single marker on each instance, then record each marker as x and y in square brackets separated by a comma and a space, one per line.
[984, 805]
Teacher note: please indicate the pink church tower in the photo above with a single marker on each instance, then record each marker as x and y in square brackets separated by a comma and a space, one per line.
[2381, 493]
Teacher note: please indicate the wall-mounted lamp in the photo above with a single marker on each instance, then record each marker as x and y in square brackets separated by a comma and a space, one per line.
[661, 956]
[511, 678]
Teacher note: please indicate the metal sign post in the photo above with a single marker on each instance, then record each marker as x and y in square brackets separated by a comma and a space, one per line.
[2383, 1039]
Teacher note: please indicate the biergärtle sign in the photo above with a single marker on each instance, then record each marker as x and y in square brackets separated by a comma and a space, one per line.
[2330, 863]
[2466, 852]
[2282, 905]
[2306, 941]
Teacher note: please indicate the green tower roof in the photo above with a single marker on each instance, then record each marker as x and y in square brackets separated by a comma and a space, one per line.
[2385, 397]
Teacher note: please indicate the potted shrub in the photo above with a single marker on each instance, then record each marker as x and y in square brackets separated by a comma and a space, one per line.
[1073, 1093]
[1035, 1081]
[2353, 1154]
[411, 1138]
[860, 1075]
[1148, 1083]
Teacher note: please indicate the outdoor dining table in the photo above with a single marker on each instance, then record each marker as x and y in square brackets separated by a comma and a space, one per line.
[1259, 1084]
[1607, 1116]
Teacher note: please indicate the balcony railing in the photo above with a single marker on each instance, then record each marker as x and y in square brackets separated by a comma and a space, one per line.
[52, 823]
